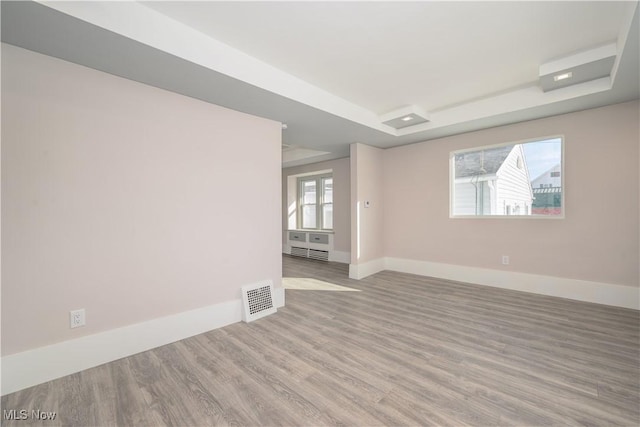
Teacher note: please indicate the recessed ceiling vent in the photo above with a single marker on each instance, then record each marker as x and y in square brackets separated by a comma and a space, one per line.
[257, 301]
[578, 68]
[404, 117]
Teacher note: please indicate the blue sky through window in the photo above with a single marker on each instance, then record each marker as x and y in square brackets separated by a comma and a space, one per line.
[542, 156]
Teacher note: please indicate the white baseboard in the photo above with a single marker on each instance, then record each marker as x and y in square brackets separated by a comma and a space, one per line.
[339, 256]
[32, 367]
[360, 271]
[278, 297]
[581, 290]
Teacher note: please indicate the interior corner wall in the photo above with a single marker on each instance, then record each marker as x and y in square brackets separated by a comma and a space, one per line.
[597, 241]
[367, 210]
[341, 199]
[129, 201]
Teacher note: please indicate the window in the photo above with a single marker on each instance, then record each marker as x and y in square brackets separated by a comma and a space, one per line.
[315, 194]
[520, 179]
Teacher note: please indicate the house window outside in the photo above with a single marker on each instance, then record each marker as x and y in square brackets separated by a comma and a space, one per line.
[521, 179]
[315, 194]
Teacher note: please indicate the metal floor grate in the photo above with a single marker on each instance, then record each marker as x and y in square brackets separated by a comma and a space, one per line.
[257, 301]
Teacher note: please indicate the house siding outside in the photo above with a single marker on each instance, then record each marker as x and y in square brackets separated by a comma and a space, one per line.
[547, 180]
[465, 197]
[493, 193]
[514, 194]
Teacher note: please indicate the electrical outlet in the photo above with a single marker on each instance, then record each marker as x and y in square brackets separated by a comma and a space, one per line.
[505, 259]
[76, 318]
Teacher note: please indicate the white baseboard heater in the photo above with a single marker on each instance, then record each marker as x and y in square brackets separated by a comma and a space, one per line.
[308, 244]
[310, 253]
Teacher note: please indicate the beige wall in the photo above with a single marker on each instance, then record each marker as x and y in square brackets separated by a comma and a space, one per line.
[342, 187]
[367, 224]
[126, 200]
[598, 239]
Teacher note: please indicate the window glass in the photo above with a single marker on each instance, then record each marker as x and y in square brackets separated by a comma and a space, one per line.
[309, 216]
[309, 189]
[327, 217]
[517, 179]
[315, 195]
[327, 185]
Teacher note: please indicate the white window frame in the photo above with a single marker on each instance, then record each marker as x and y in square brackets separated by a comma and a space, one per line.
[453, 154]
[319, 200]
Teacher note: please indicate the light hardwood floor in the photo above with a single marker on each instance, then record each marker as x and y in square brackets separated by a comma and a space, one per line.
[407, 350]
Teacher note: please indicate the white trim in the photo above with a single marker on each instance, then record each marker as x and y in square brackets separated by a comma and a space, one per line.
[340, 256]
[578, 59]
[319, 179]
[306, 174]
[32, 367]
[360, 271]
[182, 41]
[581, 290]
[278, 297]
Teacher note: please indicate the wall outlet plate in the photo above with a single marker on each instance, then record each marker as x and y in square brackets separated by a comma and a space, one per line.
[77, 318]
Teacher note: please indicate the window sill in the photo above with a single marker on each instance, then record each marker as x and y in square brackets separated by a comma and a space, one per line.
[534, 217]
[310, 230]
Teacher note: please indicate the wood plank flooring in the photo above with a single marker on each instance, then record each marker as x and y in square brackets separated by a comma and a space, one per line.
[407, 350]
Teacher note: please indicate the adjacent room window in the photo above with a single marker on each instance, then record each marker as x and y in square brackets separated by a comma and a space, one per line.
[315, 194]
[521, 179]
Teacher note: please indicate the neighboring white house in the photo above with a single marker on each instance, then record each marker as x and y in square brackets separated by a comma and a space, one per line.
[549, 179]
[493, 181]
[547, 192]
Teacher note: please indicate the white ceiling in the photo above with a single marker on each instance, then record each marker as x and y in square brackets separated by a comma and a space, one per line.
[386, 55]
[330, 69]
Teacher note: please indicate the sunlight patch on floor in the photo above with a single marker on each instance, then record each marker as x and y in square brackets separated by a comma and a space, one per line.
[309, 284]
